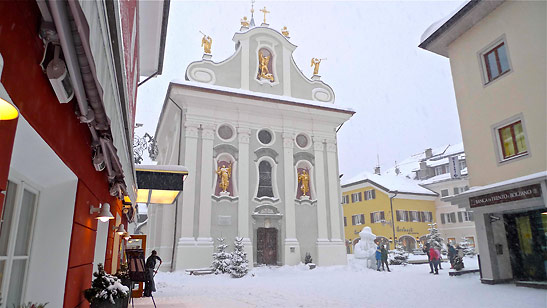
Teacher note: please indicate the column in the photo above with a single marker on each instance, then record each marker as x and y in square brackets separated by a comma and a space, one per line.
[292, 247]
[244, 196]
[206, 184]
[186, 243]
[320, 174]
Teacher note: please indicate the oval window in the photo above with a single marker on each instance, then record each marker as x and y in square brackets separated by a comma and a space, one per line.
[225, 132]
[265, 137]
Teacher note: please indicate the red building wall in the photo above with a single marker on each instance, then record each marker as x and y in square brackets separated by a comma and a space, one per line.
[57, 124]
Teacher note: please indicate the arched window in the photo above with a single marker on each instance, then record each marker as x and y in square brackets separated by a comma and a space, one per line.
[265, 180]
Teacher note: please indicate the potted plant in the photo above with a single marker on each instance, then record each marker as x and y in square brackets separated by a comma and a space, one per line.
[123, 275]
[106, 291]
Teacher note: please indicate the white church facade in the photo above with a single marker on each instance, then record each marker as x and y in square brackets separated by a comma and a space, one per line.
[259, 141]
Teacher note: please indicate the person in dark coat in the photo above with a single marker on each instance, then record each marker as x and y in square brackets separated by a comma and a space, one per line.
[150, 268]
[384, 252]
[378, 257]
[426, 250]
[451, 254]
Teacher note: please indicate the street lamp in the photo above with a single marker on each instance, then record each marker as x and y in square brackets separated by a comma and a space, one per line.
[392, 219]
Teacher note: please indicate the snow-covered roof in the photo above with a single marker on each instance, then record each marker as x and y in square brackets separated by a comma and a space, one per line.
[289, 99]
[441, 177]
[390, 183]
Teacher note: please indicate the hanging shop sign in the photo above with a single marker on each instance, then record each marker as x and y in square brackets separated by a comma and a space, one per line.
[515, 194]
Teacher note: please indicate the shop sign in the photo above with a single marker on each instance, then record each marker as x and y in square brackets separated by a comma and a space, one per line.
[406, 230]
[515, 194]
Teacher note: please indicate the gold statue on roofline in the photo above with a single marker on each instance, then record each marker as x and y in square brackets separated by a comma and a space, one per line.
[206, 43]
[315, 63]
[285, 31]
[264, 72]
[244, 22]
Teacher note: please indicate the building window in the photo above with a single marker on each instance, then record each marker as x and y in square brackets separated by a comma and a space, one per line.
[414, 216]
[265, 136]
[302, 141]
[444, 192]
[427, 216]
[403, 215]
[456, 190]
[356, 197]
[450, 218]
[345, 199]
[496, 62]
[226, 132]
[358, 219]
[451, 240]
[463, 164]
[441, 170]
[265, 180]
[512, 140]
[377, 217]
[467, 216]
[345, 221]
[470, 241]
[370, 194]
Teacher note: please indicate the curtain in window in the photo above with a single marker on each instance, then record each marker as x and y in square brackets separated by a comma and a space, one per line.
[519, 135]
[265, 180]
[507, 140]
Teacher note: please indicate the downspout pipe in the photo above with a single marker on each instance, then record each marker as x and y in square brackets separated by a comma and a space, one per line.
[392, 219]
[59, 14]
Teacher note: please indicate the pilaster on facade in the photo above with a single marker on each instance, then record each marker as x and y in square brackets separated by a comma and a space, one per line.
[244, 135]
[334, 197]
[320, 174]
[191, 130]
[206, 184]
[292, 247]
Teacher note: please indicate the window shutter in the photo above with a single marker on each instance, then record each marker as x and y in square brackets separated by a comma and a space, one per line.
[363, 218]
[382, 217]
[353, 220]
[366, 195]
[372, 218]
[456, 191]
[373, 194]
[360, 197]
[407, 216]
[460, 219]
[442, 219]
[345, 221]
[398, 215]
[422, 216]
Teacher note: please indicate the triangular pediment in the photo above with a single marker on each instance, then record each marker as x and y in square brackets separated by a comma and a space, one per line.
[263, 63]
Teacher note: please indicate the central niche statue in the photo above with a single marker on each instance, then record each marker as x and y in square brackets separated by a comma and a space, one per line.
[304, 179]
[264, 61]
[224, 173]
[366, 248]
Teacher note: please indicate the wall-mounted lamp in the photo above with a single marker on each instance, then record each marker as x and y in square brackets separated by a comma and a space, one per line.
[119, 229]
[126, 236]
[7, 110]
[103, 210]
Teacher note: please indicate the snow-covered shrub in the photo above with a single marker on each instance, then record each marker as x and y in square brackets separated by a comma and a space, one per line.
[468, 250]
[105, 287]
[221, 258]
[434, 237]
[398, 256]
[239, 266]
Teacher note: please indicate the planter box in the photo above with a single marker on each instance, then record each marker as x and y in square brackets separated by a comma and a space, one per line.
[119, 303]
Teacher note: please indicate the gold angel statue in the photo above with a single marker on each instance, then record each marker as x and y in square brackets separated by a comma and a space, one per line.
[315, 63]
[264, 72]
[225, 173]
[304, 179]
[244, 22]
[206, 43]
[285, 31]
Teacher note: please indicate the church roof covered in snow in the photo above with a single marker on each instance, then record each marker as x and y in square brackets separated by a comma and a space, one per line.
[263, 63]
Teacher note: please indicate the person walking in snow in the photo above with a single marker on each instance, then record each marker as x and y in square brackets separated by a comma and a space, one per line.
[451, 254]
[384, 253]
[434, 257]
[426, 251]
[378, 257]
[150, 268]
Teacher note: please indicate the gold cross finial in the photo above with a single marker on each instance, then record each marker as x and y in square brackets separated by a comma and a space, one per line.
[265, 12]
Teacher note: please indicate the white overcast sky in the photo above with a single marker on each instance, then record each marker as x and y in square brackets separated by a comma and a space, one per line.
[403, 96]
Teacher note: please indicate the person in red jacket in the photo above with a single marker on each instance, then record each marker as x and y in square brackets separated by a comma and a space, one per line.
[434, 255]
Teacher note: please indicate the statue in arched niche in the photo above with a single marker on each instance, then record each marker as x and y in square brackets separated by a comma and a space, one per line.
[304, 180]
[224, 174]
[264, 57]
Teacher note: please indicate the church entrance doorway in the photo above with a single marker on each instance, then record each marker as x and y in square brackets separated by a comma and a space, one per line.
[266, 248]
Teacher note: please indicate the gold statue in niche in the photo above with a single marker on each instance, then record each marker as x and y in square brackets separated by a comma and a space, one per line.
[264, 72]
[315, 63]
[304, 178]
[285, 31]
[225, 173]
[244, 22]
[206, 43]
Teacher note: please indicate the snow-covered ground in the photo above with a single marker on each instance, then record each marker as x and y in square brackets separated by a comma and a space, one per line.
[340, 286]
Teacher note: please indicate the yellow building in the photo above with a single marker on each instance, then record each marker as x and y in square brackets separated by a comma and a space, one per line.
[377, 200]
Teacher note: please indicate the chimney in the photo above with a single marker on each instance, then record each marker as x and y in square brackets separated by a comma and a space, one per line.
[377, 170]
[428, 153]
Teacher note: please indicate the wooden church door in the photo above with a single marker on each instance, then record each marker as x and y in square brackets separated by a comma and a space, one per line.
[266, 250]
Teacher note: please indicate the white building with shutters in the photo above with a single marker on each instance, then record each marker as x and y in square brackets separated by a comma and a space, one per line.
[265, 132]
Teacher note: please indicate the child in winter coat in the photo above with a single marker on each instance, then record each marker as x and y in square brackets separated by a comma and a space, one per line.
[378, 258]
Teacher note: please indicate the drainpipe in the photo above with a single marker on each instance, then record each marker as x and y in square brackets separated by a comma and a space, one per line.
[392, 219]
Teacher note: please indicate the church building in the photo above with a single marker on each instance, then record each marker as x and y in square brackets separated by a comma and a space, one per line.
[259, 140]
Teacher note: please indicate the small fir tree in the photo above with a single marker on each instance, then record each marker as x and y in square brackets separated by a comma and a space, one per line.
[308, 258]
[466, 246]
[434, 237]
[399, 256]
[105, 287]
[239, 265]
[221, 258]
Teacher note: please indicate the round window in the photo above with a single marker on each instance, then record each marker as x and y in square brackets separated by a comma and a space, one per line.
[265, 136]
[225, 132]
[302, 141]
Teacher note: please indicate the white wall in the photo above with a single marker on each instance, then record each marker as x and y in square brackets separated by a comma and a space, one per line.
[100, 244]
